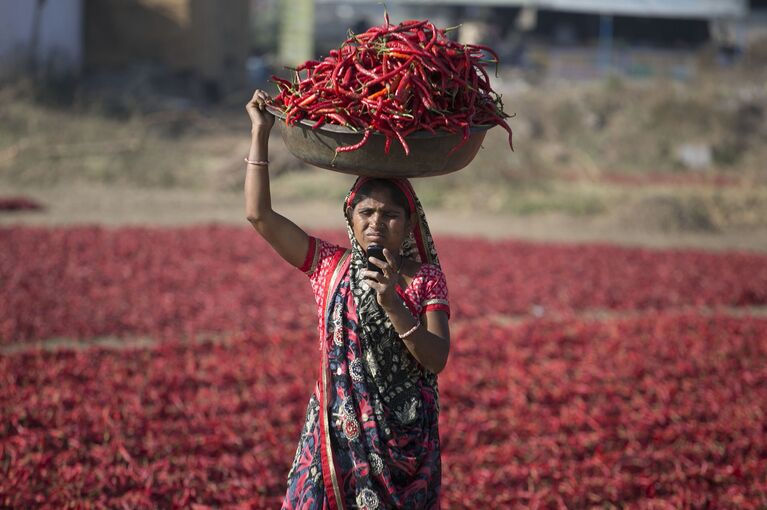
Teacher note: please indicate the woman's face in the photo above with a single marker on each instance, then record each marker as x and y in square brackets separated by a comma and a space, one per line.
[377, 219]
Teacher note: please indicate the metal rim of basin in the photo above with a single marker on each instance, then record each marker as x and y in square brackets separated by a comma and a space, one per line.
[428, 152]
[334, 128]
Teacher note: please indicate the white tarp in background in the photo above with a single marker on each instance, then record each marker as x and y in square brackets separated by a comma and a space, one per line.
[704, 9]
[649, 8]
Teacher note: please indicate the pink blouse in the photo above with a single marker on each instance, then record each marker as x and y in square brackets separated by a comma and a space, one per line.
[427, 291]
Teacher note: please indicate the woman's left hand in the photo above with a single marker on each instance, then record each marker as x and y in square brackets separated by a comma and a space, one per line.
[385, 283]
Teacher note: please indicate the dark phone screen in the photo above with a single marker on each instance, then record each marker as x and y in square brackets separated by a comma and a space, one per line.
[376, 251]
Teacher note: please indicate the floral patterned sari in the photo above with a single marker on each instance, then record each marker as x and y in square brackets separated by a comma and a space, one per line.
[371, 437]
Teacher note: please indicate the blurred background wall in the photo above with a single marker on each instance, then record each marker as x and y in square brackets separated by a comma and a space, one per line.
[206, 49]
[203, 42]
[40, 36]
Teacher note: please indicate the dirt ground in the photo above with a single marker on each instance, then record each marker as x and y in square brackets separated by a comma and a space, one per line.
[112, 206]
[595, 162]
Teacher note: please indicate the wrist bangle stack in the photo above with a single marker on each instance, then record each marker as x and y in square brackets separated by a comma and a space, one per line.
[259, 163]
[411, 330]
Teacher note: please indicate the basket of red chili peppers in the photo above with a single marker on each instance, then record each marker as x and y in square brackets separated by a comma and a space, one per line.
[395, 101]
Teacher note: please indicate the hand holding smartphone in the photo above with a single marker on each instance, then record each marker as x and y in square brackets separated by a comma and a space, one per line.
[375, 250]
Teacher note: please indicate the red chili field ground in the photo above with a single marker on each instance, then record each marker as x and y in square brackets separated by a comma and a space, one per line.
[170, 368]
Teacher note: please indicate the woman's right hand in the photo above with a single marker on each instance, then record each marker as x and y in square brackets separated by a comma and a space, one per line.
[261, 119]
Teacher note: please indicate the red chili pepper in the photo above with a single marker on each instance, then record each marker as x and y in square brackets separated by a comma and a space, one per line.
[403, 89]
[433, 36]
[356, 146]
[505, 126]
[409, 27]
[361, 68]
[309, 100]
[393, 72]
[309, 64]
[340, 119]
[411, 45]
[464, 139]
[319, 122]
[487, 49]
[318, 106]
[377, 94]
[401, 138]
[394, 83]
[425, 95]
[323, 111]
[347, 77]
[397, 54]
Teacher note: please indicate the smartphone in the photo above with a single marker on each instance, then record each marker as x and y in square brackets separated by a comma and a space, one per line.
[375, 250]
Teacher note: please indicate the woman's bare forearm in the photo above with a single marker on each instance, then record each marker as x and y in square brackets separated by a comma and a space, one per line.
[430, 342]
[258, 199]
[287, 238]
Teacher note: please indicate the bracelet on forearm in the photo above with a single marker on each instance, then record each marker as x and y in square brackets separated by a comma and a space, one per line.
[411, 330]
[259, 163]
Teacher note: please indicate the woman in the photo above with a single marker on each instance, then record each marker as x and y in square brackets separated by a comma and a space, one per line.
[371, 438]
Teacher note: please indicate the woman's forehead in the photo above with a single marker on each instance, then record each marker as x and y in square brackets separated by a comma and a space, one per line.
[379, 199]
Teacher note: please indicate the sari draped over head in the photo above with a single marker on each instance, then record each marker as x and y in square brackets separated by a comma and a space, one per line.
[371, 437]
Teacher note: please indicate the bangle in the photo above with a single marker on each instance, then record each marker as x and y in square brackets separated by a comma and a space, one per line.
[411, 330]
[259, 163]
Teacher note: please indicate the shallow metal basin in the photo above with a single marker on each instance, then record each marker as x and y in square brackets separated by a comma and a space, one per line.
[428, 152]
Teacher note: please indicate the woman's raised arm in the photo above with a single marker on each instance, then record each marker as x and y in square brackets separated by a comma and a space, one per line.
[287, 238]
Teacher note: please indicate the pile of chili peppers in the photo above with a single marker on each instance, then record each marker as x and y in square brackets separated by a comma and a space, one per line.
[395, 80]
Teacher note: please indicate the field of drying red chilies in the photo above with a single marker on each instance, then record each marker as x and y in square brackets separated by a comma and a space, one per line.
[589, 376]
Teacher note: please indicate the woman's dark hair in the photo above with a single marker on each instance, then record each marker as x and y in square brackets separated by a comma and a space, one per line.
[396, 194]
